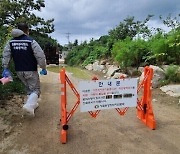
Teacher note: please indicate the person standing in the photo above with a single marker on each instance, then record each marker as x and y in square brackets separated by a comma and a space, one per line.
[27, 55]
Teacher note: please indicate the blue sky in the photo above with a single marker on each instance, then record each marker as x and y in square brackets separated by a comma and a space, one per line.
[86, 19]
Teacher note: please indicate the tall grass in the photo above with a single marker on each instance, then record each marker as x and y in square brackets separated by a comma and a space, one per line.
[76, 72]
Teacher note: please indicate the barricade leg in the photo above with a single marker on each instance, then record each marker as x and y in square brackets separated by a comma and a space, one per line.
[63, 134]
[144, 108]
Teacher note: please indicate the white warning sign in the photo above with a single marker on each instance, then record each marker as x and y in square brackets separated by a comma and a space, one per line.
[107, 94]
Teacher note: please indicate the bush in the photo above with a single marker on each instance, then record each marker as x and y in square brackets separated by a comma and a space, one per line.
[172, 74]
[130, 52]
[158, 50]
[165, 49]
[173, 43]
[86, 53]
[13, 87]
[164, 82]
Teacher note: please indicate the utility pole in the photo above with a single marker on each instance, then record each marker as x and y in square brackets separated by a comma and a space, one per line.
[68, 36]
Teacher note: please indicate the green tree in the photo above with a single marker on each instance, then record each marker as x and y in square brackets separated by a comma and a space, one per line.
[15, 11]
[171, 22]
[43, 39]
[4, 37]
[165, 48]
[75, 42]
[130, 28]
[173, 43]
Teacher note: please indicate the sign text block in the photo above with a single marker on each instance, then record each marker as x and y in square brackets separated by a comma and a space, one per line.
[107, 94]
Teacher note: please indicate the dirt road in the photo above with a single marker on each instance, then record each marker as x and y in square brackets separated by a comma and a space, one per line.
[109, 133]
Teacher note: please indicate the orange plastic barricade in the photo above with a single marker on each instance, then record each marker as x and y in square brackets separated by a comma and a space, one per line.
[144, 105]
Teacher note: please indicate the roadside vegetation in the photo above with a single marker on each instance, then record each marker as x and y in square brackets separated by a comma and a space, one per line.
[132, 44]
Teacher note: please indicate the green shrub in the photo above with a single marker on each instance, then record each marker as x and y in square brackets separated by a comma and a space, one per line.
[158, 50]
[172, 74]
[13, 87]
[164, 82]
[130, 52]
[86, 53]
[165, 48]
[10, 88]
[173, 43]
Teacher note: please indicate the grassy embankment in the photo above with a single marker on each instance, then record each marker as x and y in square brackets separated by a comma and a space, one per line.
[77, 72]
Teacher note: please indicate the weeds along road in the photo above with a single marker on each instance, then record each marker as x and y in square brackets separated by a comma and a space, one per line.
[108, 133]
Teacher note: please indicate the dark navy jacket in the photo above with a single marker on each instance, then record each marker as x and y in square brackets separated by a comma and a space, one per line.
[22, 53]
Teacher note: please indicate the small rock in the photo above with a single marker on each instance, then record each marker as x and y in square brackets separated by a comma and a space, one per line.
[154, 100]
[7, 131]
[172, 90]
